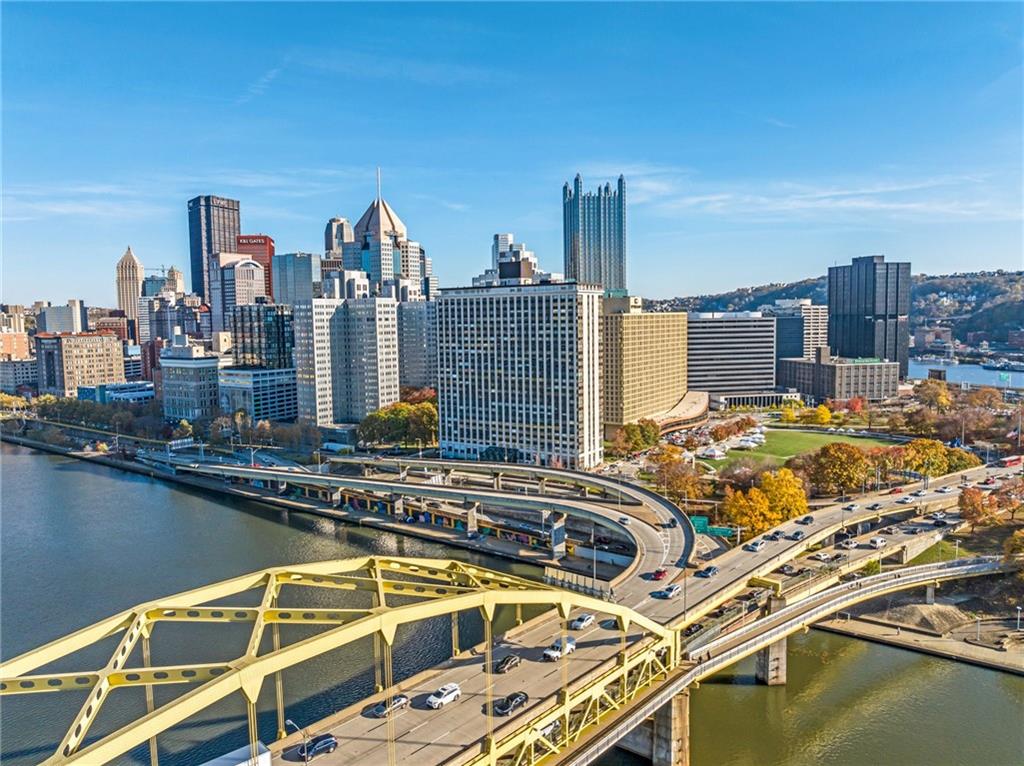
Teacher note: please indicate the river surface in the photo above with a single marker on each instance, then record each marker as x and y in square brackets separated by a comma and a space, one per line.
[968, 373]
[81, 542]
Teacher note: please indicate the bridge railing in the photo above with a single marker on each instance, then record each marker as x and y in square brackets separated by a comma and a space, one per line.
[864, 587]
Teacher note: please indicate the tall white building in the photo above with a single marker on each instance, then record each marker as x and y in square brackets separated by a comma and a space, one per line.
[519, 372]
[417, 344]
[235, 279]
[346, 358]
[129, 275]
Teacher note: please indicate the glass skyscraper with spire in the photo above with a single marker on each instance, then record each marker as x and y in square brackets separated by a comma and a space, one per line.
[594, 226]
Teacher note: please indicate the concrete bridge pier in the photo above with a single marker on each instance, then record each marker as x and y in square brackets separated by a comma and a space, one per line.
[665, 737]
[929, 594]
[497, 476]
[770, 663]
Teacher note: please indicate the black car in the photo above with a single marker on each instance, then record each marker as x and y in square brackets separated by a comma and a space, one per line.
[398, 702]
[694, 629]
[805, 520]
[511, 703]
[787, 569]
[324, 743]
[507, 663]
[940, 523]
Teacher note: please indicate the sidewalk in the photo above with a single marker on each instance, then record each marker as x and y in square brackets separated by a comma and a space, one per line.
[956, 645]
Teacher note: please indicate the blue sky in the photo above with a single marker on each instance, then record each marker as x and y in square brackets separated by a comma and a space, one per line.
[759, 142]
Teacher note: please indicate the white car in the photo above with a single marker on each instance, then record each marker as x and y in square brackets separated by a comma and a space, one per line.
[556, 650]
[672, 591]
[755, 547]
[624, 520]
[581, 622]
[444, 695]
[919, 493]
[851, 507]
[877, 542]
[822, 556]
[847, 544]
[944, 490]
[905, 500]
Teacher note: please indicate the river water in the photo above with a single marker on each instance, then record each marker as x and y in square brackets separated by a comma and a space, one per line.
[81, 542]
[968, 373]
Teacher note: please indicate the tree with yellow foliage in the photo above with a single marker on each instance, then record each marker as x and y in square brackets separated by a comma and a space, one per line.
[785, 493]
[822, 415]
[750, 510]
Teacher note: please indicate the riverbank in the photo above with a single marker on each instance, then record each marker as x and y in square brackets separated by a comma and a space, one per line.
[482, 545]
[955, 646]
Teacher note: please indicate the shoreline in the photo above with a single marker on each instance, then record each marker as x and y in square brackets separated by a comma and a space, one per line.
[353, 518]
[923, 642]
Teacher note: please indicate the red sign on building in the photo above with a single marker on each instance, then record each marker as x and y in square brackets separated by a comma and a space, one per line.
[260, 247]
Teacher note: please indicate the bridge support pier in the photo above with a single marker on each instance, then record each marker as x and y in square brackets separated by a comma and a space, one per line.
[903, 556]
[929, 594]
[497, 481]
[770, 663]
[665, 737]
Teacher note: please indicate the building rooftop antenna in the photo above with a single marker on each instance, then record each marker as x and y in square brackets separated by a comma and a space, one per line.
[378, 183]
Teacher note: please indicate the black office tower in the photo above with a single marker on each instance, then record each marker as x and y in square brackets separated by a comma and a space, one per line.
[868, 308]
[213, 224]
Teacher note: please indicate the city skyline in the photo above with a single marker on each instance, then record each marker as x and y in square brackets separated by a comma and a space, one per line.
[779, 162]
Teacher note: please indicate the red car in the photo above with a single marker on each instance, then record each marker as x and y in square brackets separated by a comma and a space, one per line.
[896, 491]
[659, 574]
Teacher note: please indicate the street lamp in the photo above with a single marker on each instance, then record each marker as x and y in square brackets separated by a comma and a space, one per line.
[305, 737]
[1018, 617]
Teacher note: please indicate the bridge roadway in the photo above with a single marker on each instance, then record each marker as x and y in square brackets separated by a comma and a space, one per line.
[448, 735]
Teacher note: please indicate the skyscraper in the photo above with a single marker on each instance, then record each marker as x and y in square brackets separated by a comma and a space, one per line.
[297, 277]
[594, 230]
[346, 358]
[234, 280]
[519, 371]
[175, 281]
[259, 247]
[129, 284]
[337, 233]
[213, 225]
[262, 335]
[868, 308]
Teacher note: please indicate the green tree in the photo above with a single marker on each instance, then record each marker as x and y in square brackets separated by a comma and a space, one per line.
[423, 423]
[634, 439]
[650, 432]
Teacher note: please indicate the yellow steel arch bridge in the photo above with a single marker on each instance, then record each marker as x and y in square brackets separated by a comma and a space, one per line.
[645, 671]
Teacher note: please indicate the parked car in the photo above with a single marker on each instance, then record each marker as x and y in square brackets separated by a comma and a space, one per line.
[384, 707]
[511, 703]
[444, 695]
[708, 572]
[507, 663]
[556, 651]
[323, 743]
[877, 542]
[582, 621]
[659, 574]
[805, 520]
[671, 591]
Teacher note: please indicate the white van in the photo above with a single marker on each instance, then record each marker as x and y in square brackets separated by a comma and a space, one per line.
[877, 542]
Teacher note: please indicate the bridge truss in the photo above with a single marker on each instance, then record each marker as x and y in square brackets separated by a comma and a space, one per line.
[398, 591]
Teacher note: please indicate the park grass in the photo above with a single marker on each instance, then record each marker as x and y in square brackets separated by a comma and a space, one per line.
[944, 550]
[781, 445]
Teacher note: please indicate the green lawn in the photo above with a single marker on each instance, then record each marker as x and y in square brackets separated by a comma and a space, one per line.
[780, 446]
